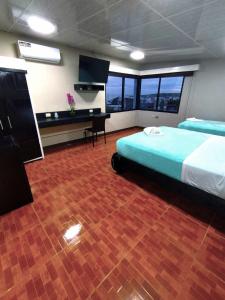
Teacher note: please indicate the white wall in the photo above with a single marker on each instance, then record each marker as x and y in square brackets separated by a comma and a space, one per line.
[207, 96]
[203, 96]
[48, 85]
[122, 120]
[167, 64]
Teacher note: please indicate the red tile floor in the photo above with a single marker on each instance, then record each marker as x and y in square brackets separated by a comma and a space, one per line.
[92, 234]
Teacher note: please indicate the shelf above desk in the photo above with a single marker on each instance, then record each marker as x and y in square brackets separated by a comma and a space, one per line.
[65, 117]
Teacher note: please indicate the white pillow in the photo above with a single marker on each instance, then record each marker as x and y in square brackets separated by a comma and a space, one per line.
[194, 119]
[152, 131]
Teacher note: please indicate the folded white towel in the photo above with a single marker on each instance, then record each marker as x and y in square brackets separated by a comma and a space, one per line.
[193, 119]
[152, 131]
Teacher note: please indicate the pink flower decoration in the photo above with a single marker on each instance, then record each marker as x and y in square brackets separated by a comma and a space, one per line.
[70, 99]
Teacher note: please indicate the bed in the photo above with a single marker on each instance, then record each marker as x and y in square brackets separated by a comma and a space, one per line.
[195, 158]
[206, 126]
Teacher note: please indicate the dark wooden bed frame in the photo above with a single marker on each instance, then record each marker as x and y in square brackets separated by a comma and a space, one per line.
[121, 164]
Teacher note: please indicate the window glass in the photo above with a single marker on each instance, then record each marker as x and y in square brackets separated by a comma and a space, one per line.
[149, 93]
[130, 91]
[156, 93]
[170, 94]
[114, 94]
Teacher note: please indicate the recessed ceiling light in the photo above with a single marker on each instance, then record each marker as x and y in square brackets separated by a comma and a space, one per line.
[137, 55]
[41, 25]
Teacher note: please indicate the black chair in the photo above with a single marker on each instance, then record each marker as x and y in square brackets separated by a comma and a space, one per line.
[98, 125]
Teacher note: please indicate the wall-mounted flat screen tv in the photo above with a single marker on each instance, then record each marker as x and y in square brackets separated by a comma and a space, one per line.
[93, 69]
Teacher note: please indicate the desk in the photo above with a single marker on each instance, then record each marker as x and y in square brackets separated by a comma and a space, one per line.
[66, 127]
[65, 117]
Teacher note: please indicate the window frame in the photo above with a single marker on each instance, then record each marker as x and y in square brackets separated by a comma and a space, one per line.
[139, 91]
[138, 88]
[160, 76]
[123, 76]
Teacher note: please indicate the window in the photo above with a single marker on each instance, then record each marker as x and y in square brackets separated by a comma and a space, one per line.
[170, 94]
[130, 92]
[157, 93]
[121, 92]
[161, 93]
[149, 93]
[114, 94]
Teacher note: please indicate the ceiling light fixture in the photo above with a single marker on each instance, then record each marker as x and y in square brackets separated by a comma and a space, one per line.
[124, 48]
[116, 43]
[137, 55]
[41, 25]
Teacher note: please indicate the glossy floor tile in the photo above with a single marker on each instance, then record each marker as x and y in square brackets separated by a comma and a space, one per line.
[93, 234]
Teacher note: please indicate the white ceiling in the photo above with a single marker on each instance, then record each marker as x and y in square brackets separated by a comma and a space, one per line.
[164, 29]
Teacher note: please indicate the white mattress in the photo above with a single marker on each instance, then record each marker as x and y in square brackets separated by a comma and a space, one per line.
[204, 168]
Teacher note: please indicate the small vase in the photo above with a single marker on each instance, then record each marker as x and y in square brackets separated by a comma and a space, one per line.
[72, 112]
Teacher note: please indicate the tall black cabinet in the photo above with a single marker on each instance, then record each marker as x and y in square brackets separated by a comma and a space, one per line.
[16, 114]
[14, 186]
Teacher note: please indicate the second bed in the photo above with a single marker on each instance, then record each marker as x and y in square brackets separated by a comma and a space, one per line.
[206, 126]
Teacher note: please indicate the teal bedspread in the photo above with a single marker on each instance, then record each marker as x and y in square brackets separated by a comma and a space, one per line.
[164, 153]
[212, 127]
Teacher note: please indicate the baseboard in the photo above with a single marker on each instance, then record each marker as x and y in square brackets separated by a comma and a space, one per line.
[118, 130]
[55, 147]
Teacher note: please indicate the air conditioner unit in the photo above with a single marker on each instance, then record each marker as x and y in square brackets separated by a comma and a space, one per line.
[31, 51]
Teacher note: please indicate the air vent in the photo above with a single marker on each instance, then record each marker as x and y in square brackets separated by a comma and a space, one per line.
[31, 51]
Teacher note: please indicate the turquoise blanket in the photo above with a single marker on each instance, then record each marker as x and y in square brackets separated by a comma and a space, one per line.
[164, 153]
[212, 127]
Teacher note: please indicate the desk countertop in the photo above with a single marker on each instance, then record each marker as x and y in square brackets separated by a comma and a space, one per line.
[61, 120]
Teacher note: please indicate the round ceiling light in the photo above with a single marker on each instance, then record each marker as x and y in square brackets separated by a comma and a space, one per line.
[41, 25]
[137, 55]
